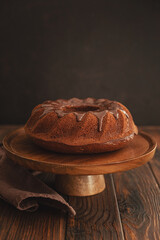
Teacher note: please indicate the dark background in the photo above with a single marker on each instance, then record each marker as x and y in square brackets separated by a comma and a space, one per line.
[63, 49]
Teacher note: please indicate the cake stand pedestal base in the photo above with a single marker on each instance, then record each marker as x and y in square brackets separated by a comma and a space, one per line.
[85, 185]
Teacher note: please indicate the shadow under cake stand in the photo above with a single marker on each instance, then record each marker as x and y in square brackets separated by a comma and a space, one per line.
[78, 175]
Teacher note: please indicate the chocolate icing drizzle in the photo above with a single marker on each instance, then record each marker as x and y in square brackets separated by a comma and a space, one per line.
[79, 107]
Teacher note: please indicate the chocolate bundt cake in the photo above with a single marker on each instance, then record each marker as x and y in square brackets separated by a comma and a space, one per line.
[81, 125]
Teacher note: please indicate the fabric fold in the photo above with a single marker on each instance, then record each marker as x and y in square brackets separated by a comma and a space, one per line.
[25, 190]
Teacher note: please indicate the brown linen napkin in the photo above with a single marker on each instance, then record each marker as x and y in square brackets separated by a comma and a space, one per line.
[25, 191]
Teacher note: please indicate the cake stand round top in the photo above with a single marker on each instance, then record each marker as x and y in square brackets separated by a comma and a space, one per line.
[20, 149]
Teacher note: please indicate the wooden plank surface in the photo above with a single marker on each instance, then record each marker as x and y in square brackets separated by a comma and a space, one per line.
[138, 197]
[155, 162]
[139, 203]
[97, 216]
[46, 223]
[129, 208]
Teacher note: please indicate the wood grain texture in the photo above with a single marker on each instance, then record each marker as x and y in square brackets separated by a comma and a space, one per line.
[22, 150]
[154, 131]
[46, 223]
[86, 185]
[138, 196]
[134, 217]
[154, 164]
[139, 203]
[97, 216]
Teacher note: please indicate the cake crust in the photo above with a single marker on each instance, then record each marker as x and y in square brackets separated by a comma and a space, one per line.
[81, 125]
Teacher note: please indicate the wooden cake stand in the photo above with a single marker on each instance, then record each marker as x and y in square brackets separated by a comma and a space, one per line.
[78, 175]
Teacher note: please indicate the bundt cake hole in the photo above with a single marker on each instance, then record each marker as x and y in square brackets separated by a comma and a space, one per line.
[80, 108]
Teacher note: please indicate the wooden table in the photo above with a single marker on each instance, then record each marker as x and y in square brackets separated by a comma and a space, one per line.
[129, 208]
